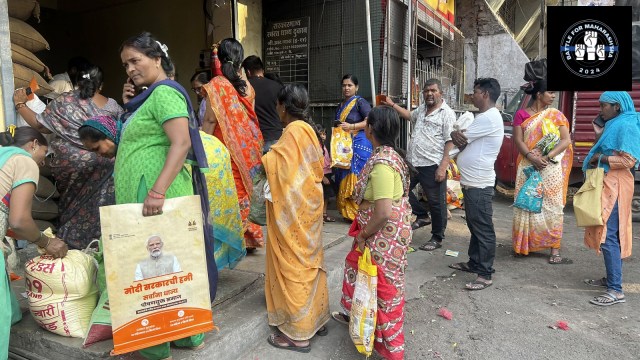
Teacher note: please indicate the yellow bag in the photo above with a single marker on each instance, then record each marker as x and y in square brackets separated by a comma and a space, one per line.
[587, 202]
[341, 148]
[364, 306]
[548, 127]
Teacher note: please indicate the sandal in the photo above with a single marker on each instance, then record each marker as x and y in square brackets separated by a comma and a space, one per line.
[607, 299]
[420, 223]
[553, 260]
[323, 331]
[478, 284]
[273, 340]
[430, 245]
[462, 266]
[340, 317]
[327, 218]
[596, 282]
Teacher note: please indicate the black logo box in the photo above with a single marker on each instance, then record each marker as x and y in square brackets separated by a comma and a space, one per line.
[561, 21]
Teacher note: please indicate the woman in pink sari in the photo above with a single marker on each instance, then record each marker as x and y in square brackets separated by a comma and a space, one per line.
[539, 231]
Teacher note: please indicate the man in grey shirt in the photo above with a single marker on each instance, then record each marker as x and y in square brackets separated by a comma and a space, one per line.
[479, 146]
[428, 153]
[158, 263]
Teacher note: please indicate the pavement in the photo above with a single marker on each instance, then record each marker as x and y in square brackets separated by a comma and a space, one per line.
[513, 319]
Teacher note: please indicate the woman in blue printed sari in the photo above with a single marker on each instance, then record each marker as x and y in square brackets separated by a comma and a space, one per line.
[351, 114]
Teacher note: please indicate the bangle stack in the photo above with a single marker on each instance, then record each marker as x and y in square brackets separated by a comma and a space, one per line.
[155, 195]
[40, 238]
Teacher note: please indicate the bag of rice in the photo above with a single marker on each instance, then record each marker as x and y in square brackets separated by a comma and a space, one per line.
[62, 293]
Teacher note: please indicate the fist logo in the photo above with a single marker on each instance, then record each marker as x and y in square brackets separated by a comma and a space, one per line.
[600, 51]
[591, 41]
[580, 50]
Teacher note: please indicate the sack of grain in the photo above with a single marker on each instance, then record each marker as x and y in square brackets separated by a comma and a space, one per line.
[22, 56]
[24, 9]
[46, 189]
[26, 36]
[44, 210]
[44, 225]
[22, 77]
[62, 293]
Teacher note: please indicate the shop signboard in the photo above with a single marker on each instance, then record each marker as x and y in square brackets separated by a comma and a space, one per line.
[287, 50]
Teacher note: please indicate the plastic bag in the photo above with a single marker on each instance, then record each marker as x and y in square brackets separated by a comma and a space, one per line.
[531, 194]
[587, 202]
[364, 306]
[62, 292]
[100, 323]
[535, 70]
[258, 207]
[341, 148]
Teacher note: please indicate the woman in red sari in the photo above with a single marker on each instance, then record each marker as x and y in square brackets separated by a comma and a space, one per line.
[231, 118]
[384, 226]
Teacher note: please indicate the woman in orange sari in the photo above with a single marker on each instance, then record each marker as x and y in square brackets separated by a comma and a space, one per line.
[231, 118]
[295, 279]
[538, 231]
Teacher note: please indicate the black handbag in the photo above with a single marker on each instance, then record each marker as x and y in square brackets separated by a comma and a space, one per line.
[535, 70]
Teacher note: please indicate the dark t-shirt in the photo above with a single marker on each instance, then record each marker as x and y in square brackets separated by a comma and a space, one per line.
[266, 97]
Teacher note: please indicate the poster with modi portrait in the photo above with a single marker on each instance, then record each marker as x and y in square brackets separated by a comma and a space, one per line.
[156, 273]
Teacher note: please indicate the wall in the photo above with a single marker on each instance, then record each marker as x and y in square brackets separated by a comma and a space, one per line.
[250, 26]
[486, 41]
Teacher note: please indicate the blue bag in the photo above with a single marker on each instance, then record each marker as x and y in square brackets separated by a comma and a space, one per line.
[530, 196]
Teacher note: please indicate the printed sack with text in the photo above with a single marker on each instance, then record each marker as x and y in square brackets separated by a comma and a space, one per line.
[364, 306]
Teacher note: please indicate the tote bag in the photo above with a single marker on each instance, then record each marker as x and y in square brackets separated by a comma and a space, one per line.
[587, 202]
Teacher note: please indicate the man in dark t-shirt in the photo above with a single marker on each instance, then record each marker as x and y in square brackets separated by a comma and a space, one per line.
[266, 97]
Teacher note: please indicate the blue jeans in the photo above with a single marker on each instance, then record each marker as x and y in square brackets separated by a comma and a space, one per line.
[478, 208]
[436, 193]
[611, 252]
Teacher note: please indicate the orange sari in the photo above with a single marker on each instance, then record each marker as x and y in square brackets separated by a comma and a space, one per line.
[531, 231]
[295, 279]
[237, 127]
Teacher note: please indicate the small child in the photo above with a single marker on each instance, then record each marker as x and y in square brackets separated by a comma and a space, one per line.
[327, 181]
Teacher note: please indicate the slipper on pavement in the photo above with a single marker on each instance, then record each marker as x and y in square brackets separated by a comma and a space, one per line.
[340, 317]
[430, 245]
[596, 282]
[607, 299]
[462, 266]
[477, 285]
[553, 260]
[290, 344]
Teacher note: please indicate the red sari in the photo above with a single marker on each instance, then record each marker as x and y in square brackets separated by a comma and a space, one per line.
[389, 252]
[238, 129]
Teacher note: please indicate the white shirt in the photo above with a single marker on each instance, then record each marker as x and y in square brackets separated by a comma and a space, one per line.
[477, 159]
[429, 135]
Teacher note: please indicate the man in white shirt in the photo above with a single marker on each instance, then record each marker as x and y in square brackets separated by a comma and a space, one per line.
[428, 153]
[158, 263]
[479, 145]
[65, 82]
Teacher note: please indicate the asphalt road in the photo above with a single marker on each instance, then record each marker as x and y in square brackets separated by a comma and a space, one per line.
[510, 320]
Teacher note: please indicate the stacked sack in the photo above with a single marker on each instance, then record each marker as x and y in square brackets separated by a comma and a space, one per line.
[44, 208]
[25, 41]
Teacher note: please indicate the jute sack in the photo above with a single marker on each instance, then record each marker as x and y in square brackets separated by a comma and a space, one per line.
[26, 36]
[46, 189]
[22, 77]
[24, 9]
[22, 56]
[44, 210]
[44, 225]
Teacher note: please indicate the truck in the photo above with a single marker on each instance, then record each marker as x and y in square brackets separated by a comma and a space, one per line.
[580, 108]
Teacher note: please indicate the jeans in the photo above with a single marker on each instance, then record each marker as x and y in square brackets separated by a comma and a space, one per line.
[267, 145]
[478, 209]
[436, 193]
[611, 252]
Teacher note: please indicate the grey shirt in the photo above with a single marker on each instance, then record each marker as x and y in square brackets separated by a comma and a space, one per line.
[430, 133]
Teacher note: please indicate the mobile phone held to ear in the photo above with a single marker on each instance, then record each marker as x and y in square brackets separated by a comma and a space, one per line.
[28, 91]
[599, 121]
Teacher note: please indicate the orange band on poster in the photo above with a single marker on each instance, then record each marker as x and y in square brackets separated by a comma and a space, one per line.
[161, 327]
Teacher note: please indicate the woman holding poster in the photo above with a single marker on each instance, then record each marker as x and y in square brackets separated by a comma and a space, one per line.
[296, 284]
[156, 139]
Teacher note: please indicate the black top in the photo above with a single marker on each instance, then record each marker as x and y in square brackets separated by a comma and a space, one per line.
[266, 97]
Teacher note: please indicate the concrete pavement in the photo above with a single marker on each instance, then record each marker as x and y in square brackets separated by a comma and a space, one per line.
[509, 320]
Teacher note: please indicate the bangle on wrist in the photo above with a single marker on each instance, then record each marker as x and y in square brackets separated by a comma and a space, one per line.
[20, 105]
[157, 192]
[526, 156]
[155, 195]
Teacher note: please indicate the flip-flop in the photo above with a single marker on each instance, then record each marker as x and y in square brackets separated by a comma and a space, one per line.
[481, 285]
[563, 260]
[420, 223]
[462, 266]
[290, 344]
[323, 331]
[607, 299]
[596, 282]
[430, 245]
[340, 317]
[327, 218]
